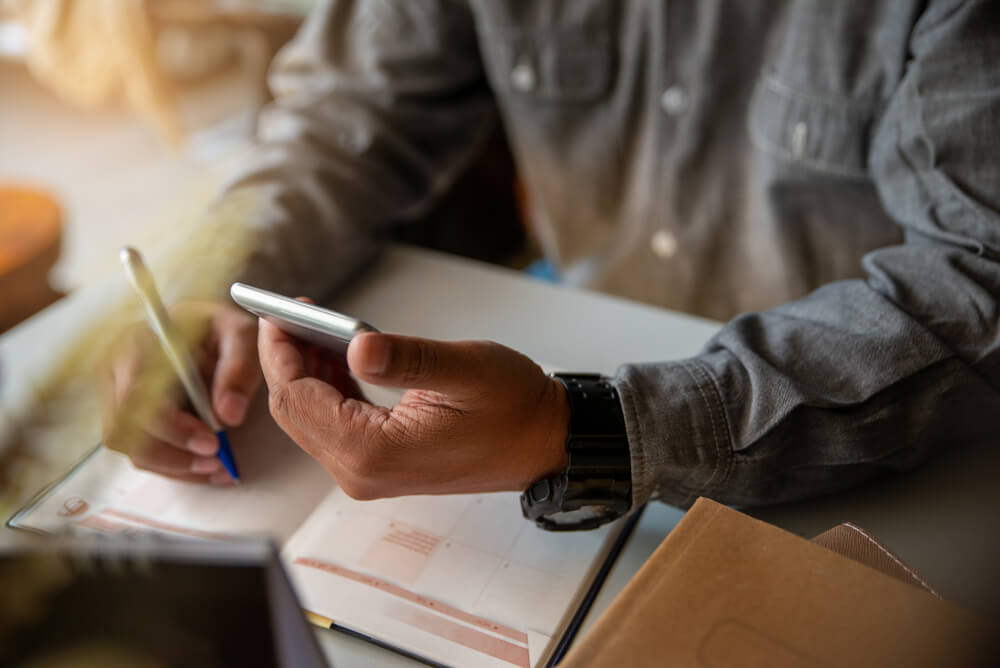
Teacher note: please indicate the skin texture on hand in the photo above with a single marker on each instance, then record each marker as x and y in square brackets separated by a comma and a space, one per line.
[476, 416]
[143, 411]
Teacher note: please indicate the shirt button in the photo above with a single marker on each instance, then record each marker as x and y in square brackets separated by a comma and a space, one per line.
[674, 100]
[522, 77]
[352, 142]
[800, 134]
[664, 244]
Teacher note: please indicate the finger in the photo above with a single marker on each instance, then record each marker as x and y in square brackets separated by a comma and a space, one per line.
[301, 405]
[338, 375]
[308, 410]
[341, 434]
[315, 363]
[237, 372]
[280, 358]
[133, 417]
[127, 369]
[164, 459]
[140, 389]
[294, 410]
[409, 362]
[222, 479]
[320, 432]
[331, 367]
[170, 425]
[156, 417]
[110, 414]
[183, 430]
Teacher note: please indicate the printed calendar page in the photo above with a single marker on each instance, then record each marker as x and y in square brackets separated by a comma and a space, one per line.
[463, 579]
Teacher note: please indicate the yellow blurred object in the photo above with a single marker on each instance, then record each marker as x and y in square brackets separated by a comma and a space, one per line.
[91, 51]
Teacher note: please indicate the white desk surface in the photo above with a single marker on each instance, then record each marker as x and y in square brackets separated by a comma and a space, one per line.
[941, 518]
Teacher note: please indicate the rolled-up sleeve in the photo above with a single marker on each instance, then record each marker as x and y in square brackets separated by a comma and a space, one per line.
[379, 105]
[862, 375]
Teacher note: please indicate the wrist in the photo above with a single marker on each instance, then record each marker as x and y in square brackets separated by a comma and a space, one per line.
[555, 415]
[595, 484]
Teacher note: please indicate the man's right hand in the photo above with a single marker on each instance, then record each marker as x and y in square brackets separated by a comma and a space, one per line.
[144, 414]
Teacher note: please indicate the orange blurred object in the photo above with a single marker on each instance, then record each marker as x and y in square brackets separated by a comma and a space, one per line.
[30, 235]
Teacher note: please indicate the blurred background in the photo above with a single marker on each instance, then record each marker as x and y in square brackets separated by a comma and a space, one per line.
[118, 117]
[111, 114]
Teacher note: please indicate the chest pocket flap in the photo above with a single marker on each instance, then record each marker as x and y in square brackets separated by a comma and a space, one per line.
[820, 132]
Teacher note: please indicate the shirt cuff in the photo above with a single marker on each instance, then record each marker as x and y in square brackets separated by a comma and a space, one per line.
[678, 433]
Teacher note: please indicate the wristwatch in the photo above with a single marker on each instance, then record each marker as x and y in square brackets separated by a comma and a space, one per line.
[596, 487]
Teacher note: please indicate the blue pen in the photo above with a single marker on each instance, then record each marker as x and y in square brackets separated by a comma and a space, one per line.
[178, 354]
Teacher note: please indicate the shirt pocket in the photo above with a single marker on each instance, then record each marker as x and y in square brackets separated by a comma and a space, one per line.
[570, 62]
[816, 131]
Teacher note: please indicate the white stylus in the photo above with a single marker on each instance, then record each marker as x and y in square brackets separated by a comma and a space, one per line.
[178, 354]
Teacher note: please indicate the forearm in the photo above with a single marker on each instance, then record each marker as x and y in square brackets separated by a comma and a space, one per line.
[377, 110]
[862, 375]
[806, 399]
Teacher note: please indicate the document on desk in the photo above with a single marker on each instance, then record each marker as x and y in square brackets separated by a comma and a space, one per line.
[457, 579]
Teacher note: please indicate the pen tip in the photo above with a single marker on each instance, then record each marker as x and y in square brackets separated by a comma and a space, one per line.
[127, 254]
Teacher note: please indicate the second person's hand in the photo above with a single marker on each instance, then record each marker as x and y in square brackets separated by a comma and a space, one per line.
[153, 428]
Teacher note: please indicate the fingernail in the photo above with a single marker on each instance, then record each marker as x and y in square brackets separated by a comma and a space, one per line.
[378, 354]
[203, 444]
[234, 406]
[206, 465]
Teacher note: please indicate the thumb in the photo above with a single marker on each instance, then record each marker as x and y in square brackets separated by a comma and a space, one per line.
[413, 363]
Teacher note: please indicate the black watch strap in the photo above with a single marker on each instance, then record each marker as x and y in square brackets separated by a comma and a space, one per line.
[596, 487]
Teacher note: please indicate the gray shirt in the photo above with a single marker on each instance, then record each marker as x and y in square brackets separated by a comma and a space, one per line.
[827, 169]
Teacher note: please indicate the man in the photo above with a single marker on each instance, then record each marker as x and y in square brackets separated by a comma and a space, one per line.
[715, 157]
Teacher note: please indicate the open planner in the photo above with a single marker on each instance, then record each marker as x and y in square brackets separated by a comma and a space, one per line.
[457, 580]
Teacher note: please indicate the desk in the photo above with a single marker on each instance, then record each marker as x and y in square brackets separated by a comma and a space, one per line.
[942, 518]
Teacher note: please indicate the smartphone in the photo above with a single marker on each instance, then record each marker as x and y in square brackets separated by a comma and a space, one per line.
[306, 322]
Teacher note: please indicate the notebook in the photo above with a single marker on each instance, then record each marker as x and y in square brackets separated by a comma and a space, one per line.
[453, 580]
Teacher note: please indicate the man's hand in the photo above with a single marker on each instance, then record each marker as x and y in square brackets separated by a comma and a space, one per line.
[476, 416]
[143, 413]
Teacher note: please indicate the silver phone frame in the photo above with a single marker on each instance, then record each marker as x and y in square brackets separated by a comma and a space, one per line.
[307, 322]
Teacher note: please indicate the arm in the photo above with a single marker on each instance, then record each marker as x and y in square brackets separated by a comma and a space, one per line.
[861, 375]
[810, 397]
[378, 107]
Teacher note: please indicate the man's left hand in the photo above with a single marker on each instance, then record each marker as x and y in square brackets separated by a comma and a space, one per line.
[476, 416]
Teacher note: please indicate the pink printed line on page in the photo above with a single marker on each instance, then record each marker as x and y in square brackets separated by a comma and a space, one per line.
[459, 634]
[402, 541]
[412, 538]
[413, 597]
[101, 524]
[164, 526]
